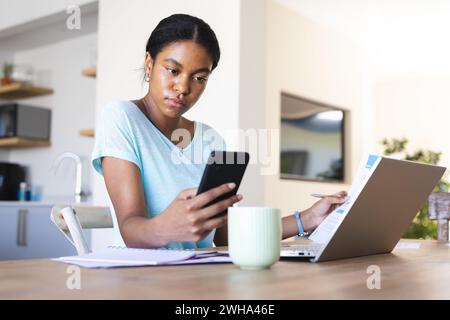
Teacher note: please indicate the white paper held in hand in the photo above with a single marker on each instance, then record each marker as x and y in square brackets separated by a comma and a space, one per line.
[329, 226]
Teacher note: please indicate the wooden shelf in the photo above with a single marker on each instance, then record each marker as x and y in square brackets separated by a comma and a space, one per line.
[87, 133]
[22, 90]
[22, 143]
[90, 72]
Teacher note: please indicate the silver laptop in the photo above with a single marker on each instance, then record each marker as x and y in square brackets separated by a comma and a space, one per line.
[380, 215]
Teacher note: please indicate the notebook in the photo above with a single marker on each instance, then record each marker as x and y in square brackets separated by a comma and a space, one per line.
[113, 257]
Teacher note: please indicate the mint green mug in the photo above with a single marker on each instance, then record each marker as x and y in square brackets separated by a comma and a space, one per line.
[254, 235]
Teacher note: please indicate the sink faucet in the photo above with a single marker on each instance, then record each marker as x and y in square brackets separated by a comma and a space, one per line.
[78, 192]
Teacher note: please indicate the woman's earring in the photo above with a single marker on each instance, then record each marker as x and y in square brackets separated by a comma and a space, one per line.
[147, 77]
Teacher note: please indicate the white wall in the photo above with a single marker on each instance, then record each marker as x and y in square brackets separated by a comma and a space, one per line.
[408, 39]
[235, 94]
[121, 57]
[402, 43]
[417, 108]
[306, 59]
[13, 13]
[219, 105]
[59, 66]
[252, 102]
[410, 71]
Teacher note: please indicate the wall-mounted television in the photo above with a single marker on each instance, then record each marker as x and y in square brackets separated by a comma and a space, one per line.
[312, 140]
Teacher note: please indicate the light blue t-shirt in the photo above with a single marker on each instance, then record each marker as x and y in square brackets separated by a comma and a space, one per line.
[124, 132]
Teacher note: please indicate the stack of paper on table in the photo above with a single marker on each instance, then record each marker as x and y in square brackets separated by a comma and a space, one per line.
[129, 257]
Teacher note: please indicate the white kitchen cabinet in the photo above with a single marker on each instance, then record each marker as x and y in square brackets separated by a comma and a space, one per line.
[26, 232]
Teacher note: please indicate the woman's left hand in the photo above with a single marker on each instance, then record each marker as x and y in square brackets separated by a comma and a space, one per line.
[312, 217]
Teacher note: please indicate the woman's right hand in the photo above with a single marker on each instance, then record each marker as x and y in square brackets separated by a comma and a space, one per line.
[187, 218]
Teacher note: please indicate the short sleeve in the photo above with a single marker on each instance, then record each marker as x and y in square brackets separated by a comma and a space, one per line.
[114, 136]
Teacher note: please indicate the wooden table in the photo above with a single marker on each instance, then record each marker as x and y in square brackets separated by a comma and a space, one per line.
[405, 274]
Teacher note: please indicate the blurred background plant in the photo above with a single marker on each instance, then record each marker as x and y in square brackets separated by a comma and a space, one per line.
[421, 227]
[7, 71]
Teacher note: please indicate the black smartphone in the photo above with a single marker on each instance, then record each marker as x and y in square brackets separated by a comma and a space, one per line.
[223, 167]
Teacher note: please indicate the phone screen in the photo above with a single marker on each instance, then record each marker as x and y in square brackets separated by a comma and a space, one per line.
[223, 167]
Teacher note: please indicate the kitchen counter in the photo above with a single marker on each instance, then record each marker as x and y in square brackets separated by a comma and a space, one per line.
[51, 201]
[28, 204]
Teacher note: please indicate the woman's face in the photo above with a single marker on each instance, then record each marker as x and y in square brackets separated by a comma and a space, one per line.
[178, 76]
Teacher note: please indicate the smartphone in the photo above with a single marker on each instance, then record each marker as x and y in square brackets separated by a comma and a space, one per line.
[223, 167]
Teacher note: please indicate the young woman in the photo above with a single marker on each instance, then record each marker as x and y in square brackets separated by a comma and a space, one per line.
[150, 171]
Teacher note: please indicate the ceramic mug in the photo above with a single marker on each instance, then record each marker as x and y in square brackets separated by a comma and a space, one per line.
[254, 235]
